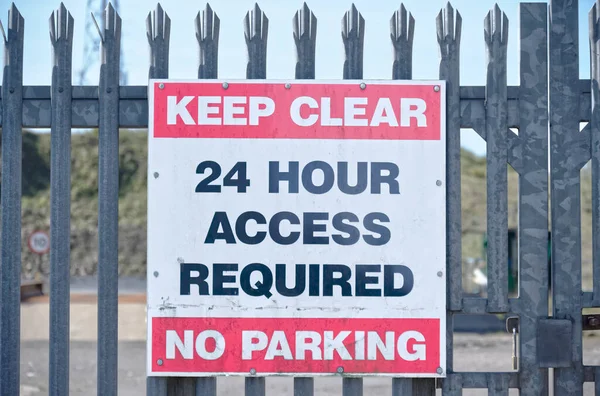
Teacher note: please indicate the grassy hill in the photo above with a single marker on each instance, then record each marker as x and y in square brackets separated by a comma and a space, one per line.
[132, 203]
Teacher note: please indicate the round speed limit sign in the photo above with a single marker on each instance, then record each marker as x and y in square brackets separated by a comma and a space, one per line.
[39, 242]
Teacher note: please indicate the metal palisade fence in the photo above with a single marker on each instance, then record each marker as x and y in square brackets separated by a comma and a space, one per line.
[547, 109]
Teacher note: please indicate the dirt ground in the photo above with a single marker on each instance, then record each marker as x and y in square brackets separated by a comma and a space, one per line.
[473, 352]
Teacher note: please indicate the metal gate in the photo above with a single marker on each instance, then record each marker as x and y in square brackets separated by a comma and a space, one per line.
[547, 109]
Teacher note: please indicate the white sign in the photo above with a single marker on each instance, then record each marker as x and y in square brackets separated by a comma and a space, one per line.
[297, 229]
[39, 242]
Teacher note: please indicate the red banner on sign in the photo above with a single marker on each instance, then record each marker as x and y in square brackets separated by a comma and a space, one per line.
[297, 111]
[290, 345]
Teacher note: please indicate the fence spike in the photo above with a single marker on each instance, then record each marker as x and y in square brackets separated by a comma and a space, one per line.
[304, 22]
[449, 21]
[158, 31]
[353, 36]
[97, 27]
[256, 23]
[402, 29]
[3, 33]
[496, 26]
[158, 24]
[108, 212]
[61, 24]
[61, 34]
[52, 21]
[10, 245]
[207, 33]
[256, 28]
[305, 38]
[16, 20]
[496, 127]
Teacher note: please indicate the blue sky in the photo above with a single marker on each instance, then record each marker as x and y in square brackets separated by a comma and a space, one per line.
[280, 52]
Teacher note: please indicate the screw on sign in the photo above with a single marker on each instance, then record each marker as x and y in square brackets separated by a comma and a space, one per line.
[39, 242]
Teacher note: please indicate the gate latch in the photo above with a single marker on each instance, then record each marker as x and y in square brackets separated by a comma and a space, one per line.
[554, 340]
[591, 322]
[512, 326]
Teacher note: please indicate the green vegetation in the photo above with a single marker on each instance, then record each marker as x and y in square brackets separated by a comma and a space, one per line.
[132, 204]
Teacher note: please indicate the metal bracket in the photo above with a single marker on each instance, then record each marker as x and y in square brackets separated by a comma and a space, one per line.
[554, 343]
[554, 339]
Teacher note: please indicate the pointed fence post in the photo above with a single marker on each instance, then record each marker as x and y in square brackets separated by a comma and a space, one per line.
[402, 29]
[402, 26]
[158, 31]
[207, 34]
[496, 127]
[256, 29]
[353, 36]
[305, 38]
[108, 204]
[304, 26]
[61, 36]
[449, 30]
[10, 266]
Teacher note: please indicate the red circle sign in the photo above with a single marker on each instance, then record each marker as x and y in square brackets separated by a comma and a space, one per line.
[39, 242]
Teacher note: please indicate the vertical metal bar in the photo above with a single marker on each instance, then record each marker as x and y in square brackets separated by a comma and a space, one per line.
[61, 35]
[497, 385]
[158, 31]
[181, 386]
[10, 267]
[448, 35]
[305, 38]
[402, 386]
[352, 386]
[304, 26]
[423, 387]
[108, 208]
[533, 192]
[594, 27]
[156, 386]
[568, 153]
[353, 35]
[255, 386]
[496, 124]
[206, 386]
[402, 29]
[304, 386]
[597, 381]
[207, 33]
[256, 29]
